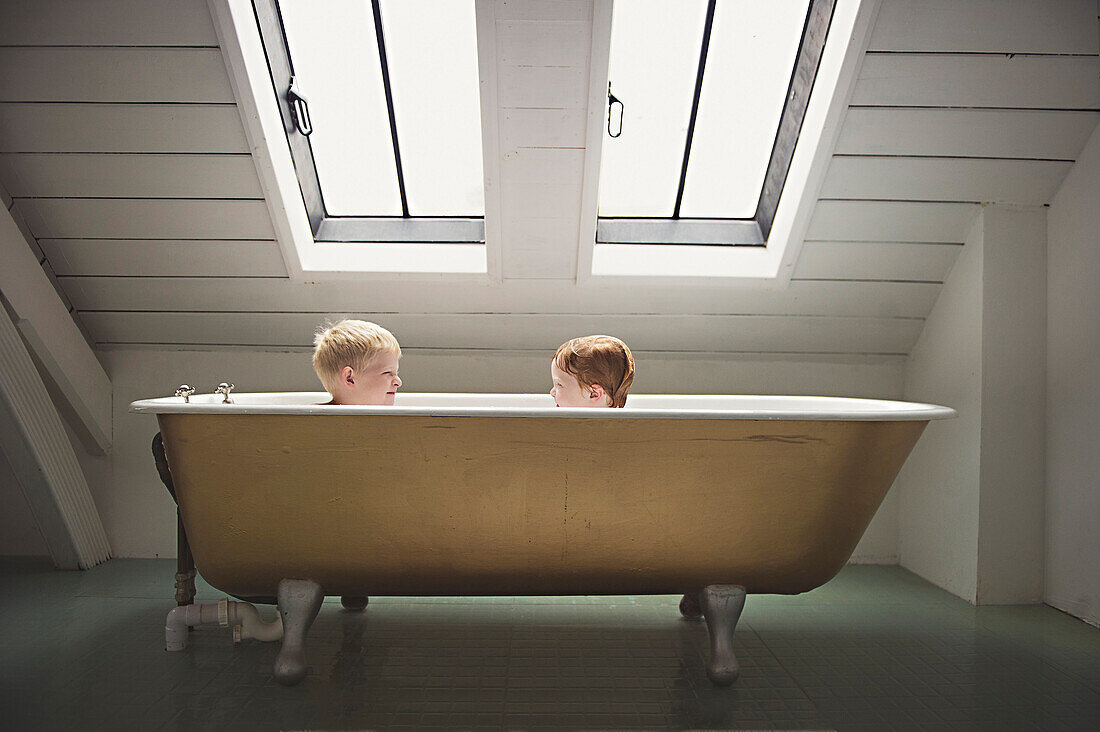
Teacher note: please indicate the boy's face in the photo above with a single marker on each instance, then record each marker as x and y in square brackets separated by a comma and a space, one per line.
[375, 384]
[567, 391]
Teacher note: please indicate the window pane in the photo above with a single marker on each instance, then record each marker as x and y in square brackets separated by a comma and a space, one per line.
[749, 64]
[431, 46]
[335, 53]
[654, 60]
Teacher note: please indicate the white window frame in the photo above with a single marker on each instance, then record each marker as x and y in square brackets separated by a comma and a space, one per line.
[764, 266]
[310, 260]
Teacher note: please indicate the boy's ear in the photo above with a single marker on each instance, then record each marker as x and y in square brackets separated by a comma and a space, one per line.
[596, 392]
[348, 376]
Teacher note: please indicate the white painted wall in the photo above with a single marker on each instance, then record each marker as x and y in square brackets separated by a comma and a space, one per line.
[140, 518]
[1010, 510]
[938, 486]
[971, 496]
[19, 531]
[1072, 556]
[19, 534]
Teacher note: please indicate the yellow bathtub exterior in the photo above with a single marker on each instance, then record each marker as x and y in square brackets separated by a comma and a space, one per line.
[455, 505]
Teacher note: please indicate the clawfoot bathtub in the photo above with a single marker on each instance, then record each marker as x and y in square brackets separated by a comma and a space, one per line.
[465, 494]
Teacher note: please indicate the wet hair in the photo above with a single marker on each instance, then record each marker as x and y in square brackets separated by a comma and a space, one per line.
[352, 343]
[598, 359]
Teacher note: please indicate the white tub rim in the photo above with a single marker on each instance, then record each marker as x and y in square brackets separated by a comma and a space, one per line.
[639, 406]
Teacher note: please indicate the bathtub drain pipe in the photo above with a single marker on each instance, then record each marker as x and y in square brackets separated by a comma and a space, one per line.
[243, 616]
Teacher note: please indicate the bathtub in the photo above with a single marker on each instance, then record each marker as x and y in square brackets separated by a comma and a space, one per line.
[467, 494]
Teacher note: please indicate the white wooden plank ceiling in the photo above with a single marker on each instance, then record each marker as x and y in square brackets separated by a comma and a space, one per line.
[124, 156]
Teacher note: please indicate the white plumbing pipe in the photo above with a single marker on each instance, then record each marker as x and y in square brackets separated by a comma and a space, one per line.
[243, 616]
[246, 622]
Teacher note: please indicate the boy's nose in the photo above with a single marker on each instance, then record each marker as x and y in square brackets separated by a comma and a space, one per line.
[396, 381]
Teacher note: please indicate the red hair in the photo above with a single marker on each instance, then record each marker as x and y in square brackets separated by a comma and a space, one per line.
[598, 359]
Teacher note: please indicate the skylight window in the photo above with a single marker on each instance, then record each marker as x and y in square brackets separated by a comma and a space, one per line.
[748, 69]
[713, 95]
[653, 64]
[380, 102]
[375, 129]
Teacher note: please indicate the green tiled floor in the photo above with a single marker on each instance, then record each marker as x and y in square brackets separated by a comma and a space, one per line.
[876, 648]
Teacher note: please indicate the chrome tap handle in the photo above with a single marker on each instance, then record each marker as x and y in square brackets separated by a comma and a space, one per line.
[185, 391]
[224, 389]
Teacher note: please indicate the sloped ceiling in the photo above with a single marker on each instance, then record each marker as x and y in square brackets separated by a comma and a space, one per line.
[123, 157]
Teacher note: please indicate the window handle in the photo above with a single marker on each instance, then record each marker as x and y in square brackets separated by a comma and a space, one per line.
[299, 108]
[612, 100]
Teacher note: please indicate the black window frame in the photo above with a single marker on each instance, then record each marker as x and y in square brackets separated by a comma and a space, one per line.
[752, 231]
[352, 229]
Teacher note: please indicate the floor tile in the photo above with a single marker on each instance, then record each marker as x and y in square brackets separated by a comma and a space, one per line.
[875, 648]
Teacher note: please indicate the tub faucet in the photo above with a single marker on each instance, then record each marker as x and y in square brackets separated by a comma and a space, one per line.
[224, 389]
[185, 391]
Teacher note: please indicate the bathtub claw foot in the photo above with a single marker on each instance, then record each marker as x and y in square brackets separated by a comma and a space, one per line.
[722, 606]
[690, 607]
[299, 601]
[355, 604]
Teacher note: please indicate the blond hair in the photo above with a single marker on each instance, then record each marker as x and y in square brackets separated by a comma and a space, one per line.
[352, 343]
[598, 359]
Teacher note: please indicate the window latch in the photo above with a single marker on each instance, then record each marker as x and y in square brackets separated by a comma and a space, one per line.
[612, 100]
[299, 108]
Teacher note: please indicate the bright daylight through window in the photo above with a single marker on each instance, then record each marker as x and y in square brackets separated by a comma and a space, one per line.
[712, 98]
[381, 107]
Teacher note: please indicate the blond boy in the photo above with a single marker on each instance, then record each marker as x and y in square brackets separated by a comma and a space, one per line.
[357, 362]
[593, 371]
